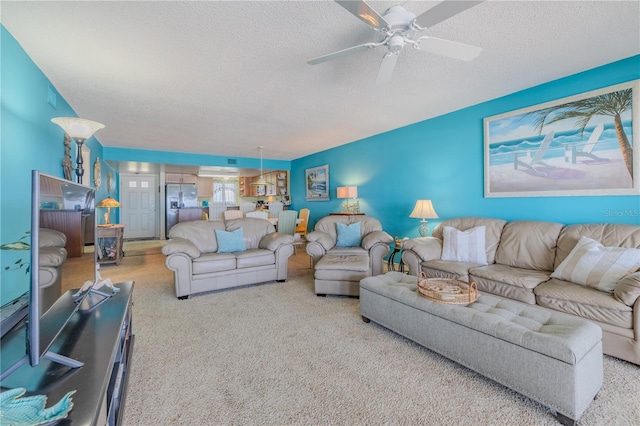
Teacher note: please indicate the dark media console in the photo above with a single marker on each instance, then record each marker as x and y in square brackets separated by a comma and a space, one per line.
[102, 338]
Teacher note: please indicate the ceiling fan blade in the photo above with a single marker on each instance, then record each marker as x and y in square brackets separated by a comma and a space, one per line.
[365, 13]
[452, 49]
[343, 52]
[386, 68]
[443, 11]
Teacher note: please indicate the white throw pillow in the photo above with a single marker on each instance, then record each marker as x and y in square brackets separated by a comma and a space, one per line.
[593, 265]
[464, 246]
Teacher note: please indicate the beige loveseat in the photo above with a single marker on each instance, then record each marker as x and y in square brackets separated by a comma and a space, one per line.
[339, 269]
[521, 257]
[52, 256]
[193, 255]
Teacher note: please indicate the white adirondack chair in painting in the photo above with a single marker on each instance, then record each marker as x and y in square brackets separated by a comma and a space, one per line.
[531, 161]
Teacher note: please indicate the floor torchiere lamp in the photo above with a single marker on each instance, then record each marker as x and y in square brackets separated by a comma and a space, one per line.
[79, 130]
[424, 210]
[108, 203]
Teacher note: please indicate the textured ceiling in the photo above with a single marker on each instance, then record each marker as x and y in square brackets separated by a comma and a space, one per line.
[224, 77]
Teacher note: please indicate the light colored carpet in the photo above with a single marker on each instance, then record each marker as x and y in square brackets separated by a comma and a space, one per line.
[142, 247]
[275, 354]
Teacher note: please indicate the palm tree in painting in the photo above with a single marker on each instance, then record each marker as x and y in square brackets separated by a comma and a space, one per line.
[612, 104]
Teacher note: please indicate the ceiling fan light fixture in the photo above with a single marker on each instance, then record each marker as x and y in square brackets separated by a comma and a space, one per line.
[398, 27]
[369, 18]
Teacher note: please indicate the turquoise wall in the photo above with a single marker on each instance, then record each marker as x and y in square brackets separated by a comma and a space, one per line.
[442, 159]
[29, 141]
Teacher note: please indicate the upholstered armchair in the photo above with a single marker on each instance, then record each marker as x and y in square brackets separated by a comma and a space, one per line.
[345, 249]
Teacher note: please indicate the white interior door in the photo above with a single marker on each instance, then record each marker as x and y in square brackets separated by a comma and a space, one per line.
[139, 212]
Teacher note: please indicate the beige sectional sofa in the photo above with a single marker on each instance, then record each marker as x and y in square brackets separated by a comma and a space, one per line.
[194, 255]
[525, 261]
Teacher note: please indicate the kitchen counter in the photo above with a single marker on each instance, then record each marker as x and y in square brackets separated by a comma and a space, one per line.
[187, 214]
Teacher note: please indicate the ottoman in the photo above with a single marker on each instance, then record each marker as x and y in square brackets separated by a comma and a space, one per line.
[340, 274]
[550, 357]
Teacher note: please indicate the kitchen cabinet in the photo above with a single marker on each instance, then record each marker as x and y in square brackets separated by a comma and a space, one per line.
[179, 178]
[279, 185]
[243, 186]
[256, 190]
[205, 186]
[190, 214]
[270, 189]
[281, 182]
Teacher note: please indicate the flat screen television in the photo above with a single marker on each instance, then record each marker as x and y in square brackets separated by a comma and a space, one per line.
[58, 206]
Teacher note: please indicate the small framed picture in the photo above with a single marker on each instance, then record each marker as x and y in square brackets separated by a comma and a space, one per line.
[317, 183]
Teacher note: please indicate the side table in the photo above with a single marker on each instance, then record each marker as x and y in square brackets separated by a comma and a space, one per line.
[391, 266]
[109, 243]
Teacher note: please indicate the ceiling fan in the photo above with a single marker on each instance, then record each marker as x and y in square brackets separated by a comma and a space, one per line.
[398, 27]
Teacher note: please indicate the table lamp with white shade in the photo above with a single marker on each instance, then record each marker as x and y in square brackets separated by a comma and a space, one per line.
[349, 192]
[424, 210]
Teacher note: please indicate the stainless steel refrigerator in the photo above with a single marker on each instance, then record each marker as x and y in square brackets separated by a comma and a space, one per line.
[179, 196]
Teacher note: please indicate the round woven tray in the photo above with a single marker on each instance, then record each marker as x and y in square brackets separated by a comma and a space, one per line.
[447, 290]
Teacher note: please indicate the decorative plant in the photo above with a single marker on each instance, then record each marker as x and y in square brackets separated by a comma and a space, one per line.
[18, 245]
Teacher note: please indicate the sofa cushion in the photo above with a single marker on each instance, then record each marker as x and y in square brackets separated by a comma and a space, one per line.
[464, 246]
[628, 289]
[254, 229]
[348, 251]
[200, 232]
[493, 230]
[51, 238]
[596, 266]
[230, 241]
[342, 268]
[438, 268]
[255, 257]
[328, 225]
[213, 262]
[348, 235]
[607, 234]
[181, 245]
[508, 281]
[529, 244]
[52, 256]
[584, 302]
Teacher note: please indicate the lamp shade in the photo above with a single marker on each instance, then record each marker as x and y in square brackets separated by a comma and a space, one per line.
[108, 202]
[78, 128]
[347, 192]
[261, 181]
[424, 210]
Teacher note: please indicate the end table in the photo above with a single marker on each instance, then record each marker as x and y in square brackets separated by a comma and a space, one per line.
[109, 243]
[397, 248]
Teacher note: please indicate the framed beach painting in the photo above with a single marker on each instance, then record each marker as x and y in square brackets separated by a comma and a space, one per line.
[581, 145]
[317, 183]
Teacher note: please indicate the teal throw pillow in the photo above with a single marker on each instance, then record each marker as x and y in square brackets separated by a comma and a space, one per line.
[230, 242]
[348, 235]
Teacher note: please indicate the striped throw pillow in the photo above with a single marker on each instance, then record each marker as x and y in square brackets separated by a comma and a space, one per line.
[593, 265]
[464, 246]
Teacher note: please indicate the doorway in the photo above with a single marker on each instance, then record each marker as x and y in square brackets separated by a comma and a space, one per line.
[139, 212]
